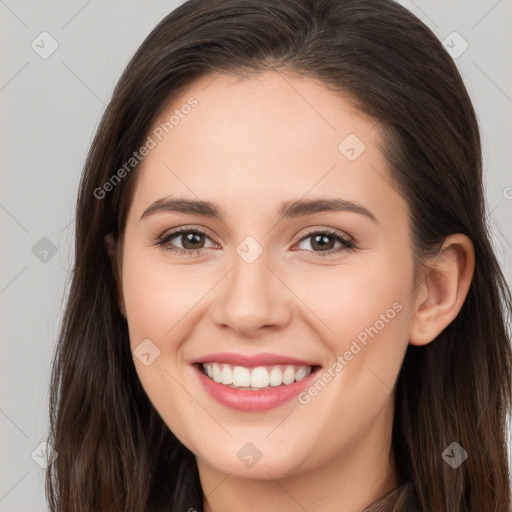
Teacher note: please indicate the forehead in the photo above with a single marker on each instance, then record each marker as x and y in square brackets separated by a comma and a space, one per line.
[239, 140]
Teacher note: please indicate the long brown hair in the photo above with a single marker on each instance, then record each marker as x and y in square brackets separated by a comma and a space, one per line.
[114, 451]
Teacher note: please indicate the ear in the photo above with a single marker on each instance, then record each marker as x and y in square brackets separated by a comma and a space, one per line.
[113, 254]
[443, 291]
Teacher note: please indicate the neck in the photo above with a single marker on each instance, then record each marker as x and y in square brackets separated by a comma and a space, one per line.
[350, 481]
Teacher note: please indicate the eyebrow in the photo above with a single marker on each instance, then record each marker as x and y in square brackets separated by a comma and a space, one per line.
[288, 209]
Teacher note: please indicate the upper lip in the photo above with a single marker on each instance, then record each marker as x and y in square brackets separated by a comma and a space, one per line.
[252, 361]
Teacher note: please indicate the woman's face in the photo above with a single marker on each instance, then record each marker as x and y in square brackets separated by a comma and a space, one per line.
[304, 272]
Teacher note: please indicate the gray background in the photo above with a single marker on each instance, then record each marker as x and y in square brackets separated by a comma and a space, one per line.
[50, 110]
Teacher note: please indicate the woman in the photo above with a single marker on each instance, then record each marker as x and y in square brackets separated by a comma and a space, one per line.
[284, 294]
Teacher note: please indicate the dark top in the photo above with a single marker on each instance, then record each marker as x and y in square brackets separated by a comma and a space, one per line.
[400, 499]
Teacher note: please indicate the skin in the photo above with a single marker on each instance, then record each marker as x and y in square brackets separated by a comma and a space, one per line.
[249, 145]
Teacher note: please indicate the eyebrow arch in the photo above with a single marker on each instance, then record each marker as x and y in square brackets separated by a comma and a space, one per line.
[288, 209]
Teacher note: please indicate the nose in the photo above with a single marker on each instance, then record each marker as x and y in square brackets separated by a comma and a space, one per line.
[253, 298]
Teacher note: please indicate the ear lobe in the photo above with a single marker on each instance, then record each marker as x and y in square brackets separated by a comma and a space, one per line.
[444, 289]
[111, 246]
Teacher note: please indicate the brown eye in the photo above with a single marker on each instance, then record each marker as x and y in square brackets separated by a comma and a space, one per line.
[185, 241]
[192, 240]
[324, 243]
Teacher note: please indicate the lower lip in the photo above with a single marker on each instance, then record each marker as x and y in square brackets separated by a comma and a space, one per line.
[253, 401]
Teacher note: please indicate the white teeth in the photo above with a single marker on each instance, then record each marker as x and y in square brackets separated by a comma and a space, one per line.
[255, 378]
[300, 374]
[259, 378]
[241, 377]
[276, 377]
[217, 374]
[289, 375]
[227, 375]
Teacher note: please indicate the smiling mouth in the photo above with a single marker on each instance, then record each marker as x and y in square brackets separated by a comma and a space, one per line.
[255, 379]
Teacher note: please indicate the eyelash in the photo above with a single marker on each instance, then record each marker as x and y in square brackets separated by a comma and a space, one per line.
[347, 245]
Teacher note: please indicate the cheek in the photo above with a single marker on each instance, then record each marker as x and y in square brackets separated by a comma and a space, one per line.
[350, 300]
[157, 297]
[366, 308]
